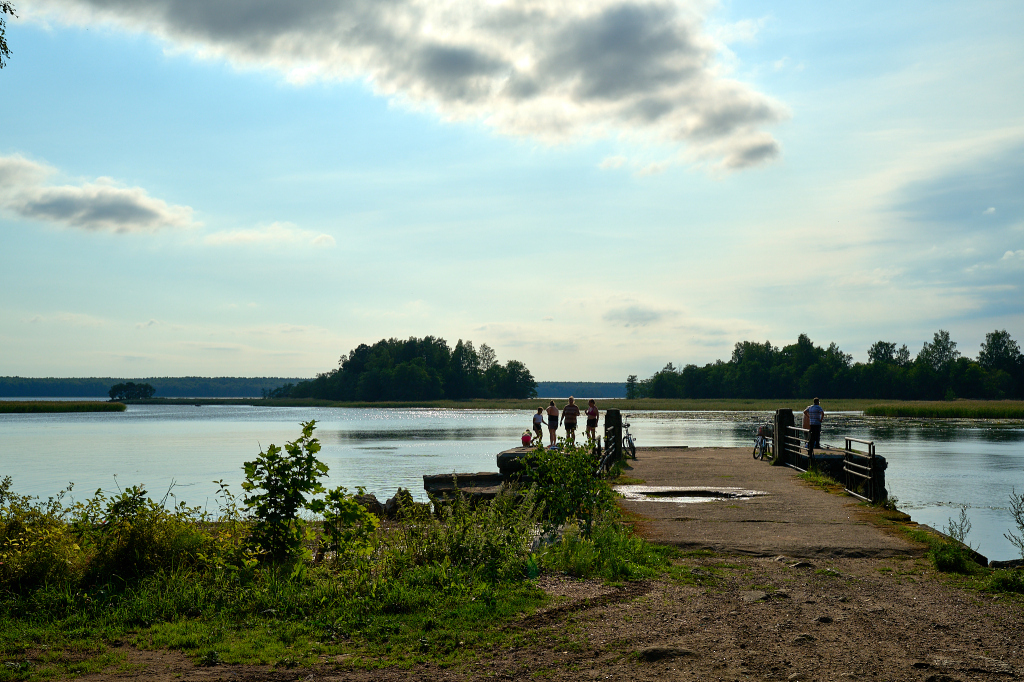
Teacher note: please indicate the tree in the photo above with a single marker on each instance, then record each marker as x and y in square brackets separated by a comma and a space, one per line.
[882, 352]
[632, 390]
[999, 352]
[940, 354]
[131, 391]
[5, 51]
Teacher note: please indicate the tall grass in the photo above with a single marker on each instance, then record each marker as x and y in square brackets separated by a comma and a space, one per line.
[32, 406]
[960, 409]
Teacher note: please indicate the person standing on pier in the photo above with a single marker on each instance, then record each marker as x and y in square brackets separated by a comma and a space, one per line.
[569, 415]
[592, 416]
[538, 425]
[552, 421]
[815, 415]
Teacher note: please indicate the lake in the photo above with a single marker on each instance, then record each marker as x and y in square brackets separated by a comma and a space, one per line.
[935, 466]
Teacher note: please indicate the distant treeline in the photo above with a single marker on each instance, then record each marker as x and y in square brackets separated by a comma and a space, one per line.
[417, 369]
[164, 387]
[761, 370]
[581, 389]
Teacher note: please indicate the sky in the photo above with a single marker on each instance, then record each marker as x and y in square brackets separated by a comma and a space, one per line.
[253, 188]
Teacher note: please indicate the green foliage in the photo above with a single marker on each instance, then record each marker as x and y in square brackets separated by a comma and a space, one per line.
[49, 406]
[136, 536]
[568, 484]
[761, 370]
[277, 483]
[611, 552]
[419, 369]
[6, 7]
[91, 542]
[820, 479]
[131, 391]
[1007, 581]
[347, 525]
[953, 555]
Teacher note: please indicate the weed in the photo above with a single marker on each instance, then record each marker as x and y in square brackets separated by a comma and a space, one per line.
[1007, 581]
[1017, 511]
[820, 479]
[953, 555]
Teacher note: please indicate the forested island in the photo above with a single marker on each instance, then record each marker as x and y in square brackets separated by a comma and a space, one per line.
[760, 370]
[417, 369]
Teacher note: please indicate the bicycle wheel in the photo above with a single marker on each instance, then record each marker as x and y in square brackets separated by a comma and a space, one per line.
[629, 447]
[769, 450]
[757, 448]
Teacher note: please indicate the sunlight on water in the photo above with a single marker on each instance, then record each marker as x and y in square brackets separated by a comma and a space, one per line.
[934, 466]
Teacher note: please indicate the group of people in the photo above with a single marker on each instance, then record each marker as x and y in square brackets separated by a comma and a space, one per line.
[569, 416]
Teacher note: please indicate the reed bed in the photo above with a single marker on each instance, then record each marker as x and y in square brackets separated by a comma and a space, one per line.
[959, 409]
[27, 406]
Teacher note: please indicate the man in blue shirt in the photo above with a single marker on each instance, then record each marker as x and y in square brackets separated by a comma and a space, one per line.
[815, 416]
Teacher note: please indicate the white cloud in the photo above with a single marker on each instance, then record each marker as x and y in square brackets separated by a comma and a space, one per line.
[279, 234]
[612, 162]
[634, 315]
[989, 211]
[554, 70]
[1014, 255]
[102, 205]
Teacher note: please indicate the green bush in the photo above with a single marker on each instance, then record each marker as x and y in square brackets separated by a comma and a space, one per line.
[953, 555]
[37, 546]
[612, 552]
[278, 484]
[1007, 581]
[569, 485]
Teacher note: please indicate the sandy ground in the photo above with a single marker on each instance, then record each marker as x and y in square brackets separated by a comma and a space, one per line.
[801, 587]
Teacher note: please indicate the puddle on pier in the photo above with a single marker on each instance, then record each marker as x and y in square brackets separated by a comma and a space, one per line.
[686, 494]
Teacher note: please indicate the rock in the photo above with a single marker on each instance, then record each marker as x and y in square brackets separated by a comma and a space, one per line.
[795, 677]
[401, 500]
[659, 653]
[780, 594]
[753, 595]
[802, 564]
[370, 503]
[1012, 563]
[803, 639]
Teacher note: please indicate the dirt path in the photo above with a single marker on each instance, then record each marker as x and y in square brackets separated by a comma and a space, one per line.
[792, 518]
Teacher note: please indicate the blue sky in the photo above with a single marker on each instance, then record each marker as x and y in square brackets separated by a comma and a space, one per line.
[596, 189]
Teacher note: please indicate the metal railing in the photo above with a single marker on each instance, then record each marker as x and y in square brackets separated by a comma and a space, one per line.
[859, 469]
[795, 441]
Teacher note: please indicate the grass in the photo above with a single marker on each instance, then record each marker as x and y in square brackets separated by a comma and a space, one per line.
[821, 480]
[33, 406]
[958, 409]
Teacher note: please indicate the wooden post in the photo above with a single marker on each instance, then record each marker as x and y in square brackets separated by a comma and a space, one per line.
[783, 420]
[613, 434]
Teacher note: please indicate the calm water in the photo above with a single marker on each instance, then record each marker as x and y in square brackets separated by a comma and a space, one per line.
[934, 467]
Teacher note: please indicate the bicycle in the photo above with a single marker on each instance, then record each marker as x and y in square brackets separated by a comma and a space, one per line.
[763, 448]
[628, 443]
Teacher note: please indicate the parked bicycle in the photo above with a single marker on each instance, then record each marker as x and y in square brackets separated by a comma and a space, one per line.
[763, 448]
[628, 442]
